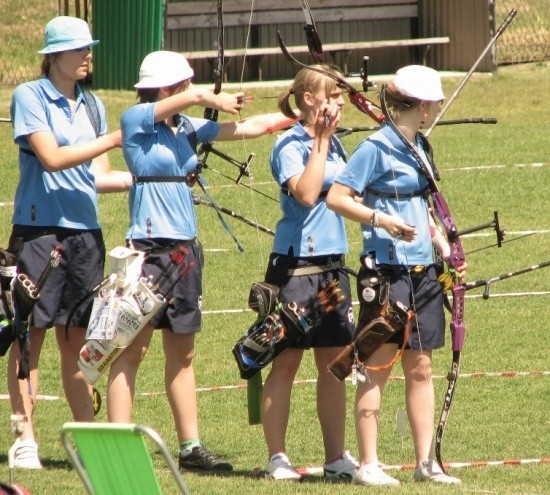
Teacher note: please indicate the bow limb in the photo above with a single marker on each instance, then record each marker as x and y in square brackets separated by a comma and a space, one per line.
[357, 99]
[313, 39]
[211, 113]
[458, 327]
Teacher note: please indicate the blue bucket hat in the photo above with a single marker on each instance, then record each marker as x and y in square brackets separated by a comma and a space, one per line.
[65, 33]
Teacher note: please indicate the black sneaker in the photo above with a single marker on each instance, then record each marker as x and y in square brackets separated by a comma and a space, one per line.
[201, 459]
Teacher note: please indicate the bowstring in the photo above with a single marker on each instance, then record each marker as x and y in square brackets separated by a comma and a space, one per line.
[250, 178]
[413, 297]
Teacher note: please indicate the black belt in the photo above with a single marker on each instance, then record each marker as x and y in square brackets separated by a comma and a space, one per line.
[159, 178]
[286, 192]
[27, 152]
[395, 195]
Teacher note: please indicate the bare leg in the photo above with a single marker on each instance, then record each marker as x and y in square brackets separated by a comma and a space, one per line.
[77, 390]
[331, 404]
[179, 378]
[275, 404]
[417, 367]
[23, 392]
[368, 402]
[122, 378]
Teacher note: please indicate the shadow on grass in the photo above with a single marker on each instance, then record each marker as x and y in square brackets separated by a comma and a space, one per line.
[260, 474]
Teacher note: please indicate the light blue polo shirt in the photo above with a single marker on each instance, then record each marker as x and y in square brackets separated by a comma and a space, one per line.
[306, 231]
[66, 198]
[383, 163]
[161, 209]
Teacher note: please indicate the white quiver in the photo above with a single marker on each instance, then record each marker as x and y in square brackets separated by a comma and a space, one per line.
[123, 306]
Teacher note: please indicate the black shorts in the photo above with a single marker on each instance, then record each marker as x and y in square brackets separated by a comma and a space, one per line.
[182, 287]
[334, 329]
[80, 269]
[423, 291]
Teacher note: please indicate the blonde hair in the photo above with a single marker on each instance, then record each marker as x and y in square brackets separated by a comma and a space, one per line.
[394, 102]
[307, 80]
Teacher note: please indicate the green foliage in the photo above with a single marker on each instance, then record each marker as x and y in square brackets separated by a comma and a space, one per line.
[493, 418]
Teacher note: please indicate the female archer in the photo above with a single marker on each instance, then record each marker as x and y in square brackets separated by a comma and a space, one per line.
[159, 149]
[63, 163]
[310, 243]
[399, 236]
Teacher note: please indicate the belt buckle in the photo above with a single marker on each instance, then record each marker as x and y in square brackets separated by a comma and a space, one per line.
[417, 269]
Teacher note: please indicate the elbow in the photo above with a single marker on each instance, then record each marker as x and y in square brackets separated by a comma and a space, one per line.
[331, 204]
[308, 202]
[50, 166]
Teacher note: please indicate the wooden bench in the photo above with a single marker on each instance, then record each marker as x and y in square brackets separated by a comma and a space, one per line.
[192, 14]
[257, 54]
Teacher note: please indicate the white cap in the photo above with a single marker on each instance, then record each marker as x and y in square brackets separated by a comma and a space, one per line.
[420, 82]
[162, 69]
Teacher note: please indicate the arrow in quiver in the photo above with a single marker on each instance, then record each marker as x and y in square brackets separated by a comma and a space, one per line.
[279, 324]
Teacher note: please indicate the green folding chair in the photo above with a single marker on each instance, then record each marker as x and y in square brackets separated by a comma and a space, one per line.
[114, 458]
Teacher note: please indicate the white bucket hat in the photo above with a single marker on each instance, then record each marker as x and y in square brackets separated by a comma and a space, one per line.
[420, 82]
[163, 68]
[65, 33]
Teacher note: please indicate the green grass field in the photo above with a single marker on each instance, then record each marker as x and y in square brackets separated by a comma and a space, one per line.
[484, 168]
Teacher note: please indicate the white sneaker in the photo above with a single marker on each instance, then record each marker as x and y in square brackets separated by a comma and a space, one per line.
[343, 468]
[430, 471]
[372, 474]
[280, 468]
[23, 454]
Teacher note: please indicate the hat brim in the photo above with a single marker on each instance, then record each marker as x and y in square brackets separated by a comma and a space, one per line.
[152, 83]
[66, 46]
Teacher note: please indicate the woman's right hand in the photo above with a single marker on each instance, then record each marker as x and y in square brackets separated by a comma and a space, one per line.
[396, 227]
[327, 118]
[231, 103]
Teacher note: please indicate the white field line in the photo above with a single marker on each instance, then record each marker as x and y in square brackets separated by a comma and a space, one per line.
[355, 303]
[493, 167]
[242, 386]
[409, 467]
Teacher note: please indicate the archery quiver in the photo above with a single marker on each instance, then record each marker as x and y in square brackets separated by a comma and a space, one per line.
[7, 273]
[268, 336]
[279, 324]
[378, 321]
[124, 305]
[369, 338]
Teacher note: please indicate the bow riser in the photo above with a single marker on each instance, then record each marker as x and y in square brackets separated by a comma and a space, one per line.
[458, 328]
